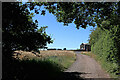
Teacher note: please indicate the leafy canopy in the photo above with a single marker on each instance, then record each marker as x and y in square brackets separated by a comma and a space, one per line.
[81, 13]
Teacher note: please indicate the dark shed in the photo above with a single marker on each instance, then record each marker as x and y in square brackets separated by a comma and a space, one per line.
[85, 46]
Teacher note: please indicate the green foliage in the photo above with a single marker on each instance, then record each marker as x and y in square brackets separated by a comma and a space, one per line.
[84, 13]
[105, 44]
[81, 13]
[94, 36]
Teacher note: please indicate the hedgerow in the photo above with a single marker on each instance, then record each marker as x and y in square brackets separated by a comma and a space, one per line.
[105, 43]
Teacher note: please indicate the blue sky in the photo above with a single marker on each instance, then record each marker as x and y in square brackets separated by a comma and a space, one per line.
[64, 36]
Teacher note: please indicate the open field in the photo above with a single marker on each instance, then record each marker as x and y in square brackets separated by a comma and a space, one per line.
[64, 58]
[48, 65]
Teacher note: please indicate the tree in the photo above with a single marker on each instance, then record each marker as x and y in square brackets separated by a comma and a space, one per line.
[64, 48]
[19, 32]
[81, 13]
[84, 13]
[105, 44]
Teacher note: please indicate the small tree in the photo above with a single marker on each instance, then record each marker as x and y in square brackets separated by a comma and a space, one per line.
[64, 48]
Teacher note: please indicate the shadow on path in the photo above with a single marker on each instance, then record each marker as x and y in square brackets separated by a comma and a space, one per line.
[71, 76]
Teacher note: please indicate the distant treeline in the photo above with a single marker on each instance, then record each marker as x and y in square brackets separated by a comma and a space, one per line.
[56, 49]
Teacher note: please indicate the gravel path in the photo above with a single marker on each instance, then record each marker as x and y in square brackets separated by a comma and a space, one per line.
[88, 67]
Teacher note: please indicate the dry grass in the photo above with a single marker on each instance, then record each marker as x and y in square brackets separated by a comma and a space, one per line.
[57, 53]
[89, 54]
[24, 54]
[62, 57]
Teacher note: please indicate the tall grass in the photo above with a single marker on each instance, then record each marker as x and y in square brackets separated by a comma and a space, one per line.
[64, 58]
[27, 66]
[65, 61]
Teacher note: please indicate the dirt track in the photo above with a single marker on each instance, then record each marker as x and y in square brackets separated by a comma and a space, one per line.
[88, 67]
